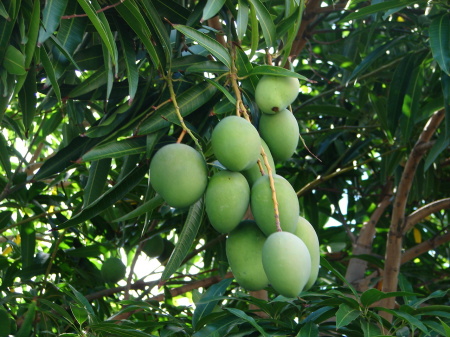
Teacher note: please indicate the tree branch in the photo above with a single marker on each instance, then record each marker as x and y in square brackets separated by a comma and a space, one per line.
[421, 213]
[425, 247]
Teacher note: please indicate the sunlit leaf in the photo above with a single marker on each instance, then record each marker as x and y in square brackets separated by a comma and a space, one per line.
[345, 315]
[98, 173]
[276, 71]
[49, 69]
[265, 21]
[242, 19]
[211, 8]
[14, 61]
[51, 17]
[378, 7]
[117, 149]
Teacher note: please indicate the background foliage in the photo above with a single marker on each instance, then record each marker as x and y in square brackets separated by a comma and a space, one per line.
[87, 96]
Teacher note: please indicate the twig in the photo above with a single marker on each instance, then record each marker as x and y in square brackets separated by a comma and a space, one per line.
[65, 17]
[425, 211]
[424, 247]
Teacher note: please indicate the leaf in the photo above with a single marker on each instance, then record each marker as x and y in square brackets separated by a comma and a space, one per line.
[214, 47]
[93, 82]
[209, 300]
[276, 71]
[369, 329]
[308, 330]
[101, 25]
[223, 90]
[28, 100]
[378, 7]
[189, 101]
[114, 194]
[439, 33]
[14, 61]
[112, 329]
[33, 32]
[249, 319]
[3, 12]
[446, 327]
[265, 21]
[83, 302]
[211, 8]
[5, 157]
[98, 173]
[27, 244]
[207, 66]
[117, 149]
[242, 19]
[27, 324]
[57, 308]
[441, 144]
[50, 71]
[148, 206]
[324, 263]
[373, 295]
[5, 218]
[51, 17]
[345, 315]
[186, 239]
[411, 103]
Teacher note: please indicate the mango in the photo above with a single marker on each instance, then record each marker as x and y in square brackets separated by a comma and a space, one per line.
[178, 173]
[113, 270]
[253, 173]
[244, 252]
[275, 93]
[263, 208]
[154, 246]
[236, 143]
[227, 198]
[287, 263]
[307, 233]
[281, 133]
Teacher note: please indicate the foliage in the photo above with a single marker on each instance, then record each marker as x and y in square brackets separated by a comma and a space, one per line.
[90, 89]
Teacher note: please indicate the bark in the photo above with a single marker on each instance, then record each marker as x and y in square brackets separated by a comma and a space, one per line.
[424, 247]
[398, 223]
[425, 211]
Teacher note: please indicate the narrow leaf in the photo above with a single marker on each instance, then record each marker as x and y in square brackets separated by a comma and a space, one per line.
[114, 194]
[410, 108]
[211, 8]
[439, 32]
[131, 66]
[371, 296]
[345, 315]
[95, 81]
[308, 330]
[324, 263]
[223, 90]
[378, 7]
[249, 319]
[242, 19]
[148, 206]
[187, 237]
[98, 173]
[51, 16]
[3, 12]
[265, 21]
[14, 61]
[5, 157]
[117, 149]
[27, 99]
[28, 244]
[214, 47]
[442, 143]
[28, 322]
[276, 71]
[33, 32]
[50, 71]
[369, 329]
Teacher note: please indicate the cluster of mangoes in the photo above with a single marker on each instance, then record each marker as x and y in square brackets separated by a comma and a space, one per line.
[258, 253]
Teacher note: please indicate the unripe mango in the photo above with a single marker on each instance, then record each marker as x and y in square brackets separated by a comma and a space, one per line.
[263, 207]
[179, 174]
[275, 93]
[254, 173]
[236, 143]
[113, 270]
[287, 263]
[307, 233]
[227, 198]
[154, 246]
[244, 252]
[281, 133]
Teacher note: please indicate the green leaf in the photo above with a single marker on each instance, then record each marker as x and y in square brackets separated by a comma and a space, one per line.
[33, 32]
[93, 82]
[207, 66]
[28, 322]
[324, 263]
[439, 33]
[14, 61]
[411, 103]
[214, 47]
[308, 330]
[254, 28]
[441, 144]
[83, 302]
[89, 251]
[373, 295]
[147, 206]
[378, 7]
[51, 17]
[242, 19]
[5, 218]
[369, 329]
[211, 8]
[114, 194]
[276, 71]
[28, 243]
[6, 28]
[50, 71]
[132, 15]
[209, 300]
[249, 319]
[3, 12]
[117, 149]
[345, 315]
[222, 89]
[28, 100]
[446, 327]
[189, 101]
[57, 309]
[112, 329]
[4, 156]
[186, 239]
[98, 173]
[265, 21]
[102, 26]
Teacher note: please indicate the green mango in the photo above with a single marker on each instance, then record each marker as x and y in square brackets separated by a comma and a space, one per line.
[227, 198]
[307, 233]
[263, 208]
[154, 246]
[275, 93]
[244, 253]
[287, 263]
[236, 143]
[281, 133]
[113, 270]
[178, 173]
[253, 173]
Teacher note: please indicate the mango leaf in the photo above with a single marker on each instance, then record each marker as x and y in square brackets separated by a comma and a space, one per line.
[254, 28]
[207, 66]
[95, 81]
[276, 71]
[442, 143]
[439, 32]
[28, 100]
[114, 194]
[28, 322]
[211, 8]
[324, 263]
[371, 296]
[6, 28]
[189, 101]
[249, 319]
[309, 329]
[4, 157]
[186, 239]
[265, 21]
[3, 12]
[214, 47]
[57, 309]
[410, 108]
[219, 326]
[147, 206]
[222, 89]
[117, 149]
[369, 329]
[242, 19]
[51, 17]
[345, 315]
[50, 71]
[112, 329]
[14, 61]
[98, 173]
[209, 300]
[378, 7]
[28, 243]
